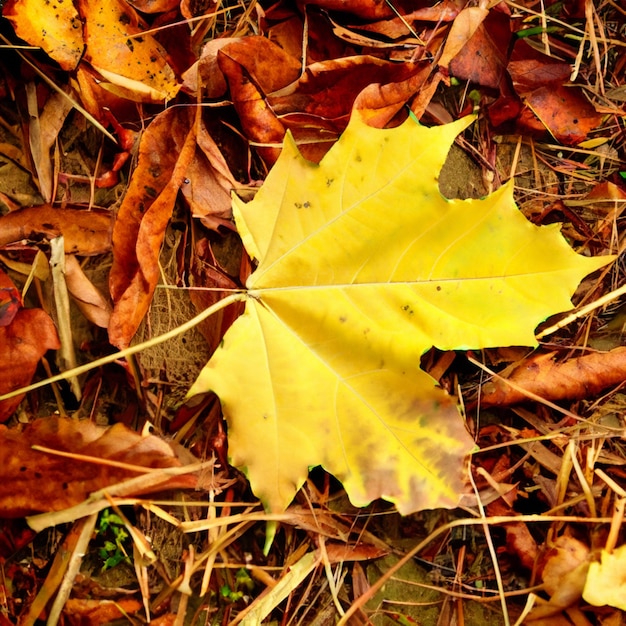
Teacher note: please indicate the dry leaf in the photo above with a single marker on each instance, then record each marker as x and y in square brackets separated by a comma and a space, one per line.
[86, 233]
[581, 377]
[606, 580]
[32, 481]
[22, 343]
[166, 149]
[53, 26]
[134, 63]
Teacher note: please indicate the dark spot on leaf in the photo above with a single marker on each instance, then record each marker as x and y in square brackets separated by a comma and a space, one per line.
[124, 18]
[298, 205]
[48, 226]
[329, 181]
[307, 205]
[155, 171]
[343, 319]
[129, 43]
[23, 468]
[358, 158]
[438, 287]
[151, 192]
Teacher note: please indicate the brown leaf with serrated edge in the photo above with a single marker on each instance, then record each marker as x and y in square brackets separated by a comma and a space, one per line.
[581, 377]
[86, 233]
[165, 152]
[34, 481]
[22, 343]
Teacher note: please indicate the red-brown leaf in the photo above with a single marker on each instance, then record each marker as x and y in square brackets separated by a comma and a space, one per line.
[22, 343]
[32, 481]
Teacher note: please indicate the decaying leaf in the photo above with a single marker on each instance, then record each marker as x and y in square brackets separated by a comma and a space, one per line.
[86, 233]
[35, 481]
[165, 152]
[363, 266]
[23, 342]
[543, 376]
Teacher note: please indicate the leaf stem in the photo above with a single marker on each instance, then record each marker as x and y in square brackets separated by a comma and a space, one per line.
[155, 341]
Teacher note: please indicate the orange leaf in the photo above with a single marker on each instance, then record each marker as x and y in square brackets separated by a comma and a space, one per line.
[22, 343]
[86, 233]
[53, 26]
[136, 67]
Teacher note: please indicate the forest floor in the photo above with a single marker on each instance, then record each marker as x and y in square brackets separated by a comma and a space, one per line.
[537, 535]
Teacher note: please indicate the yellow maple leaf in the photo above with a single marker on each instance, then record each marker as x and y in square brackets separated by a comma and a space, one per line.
[363, 266]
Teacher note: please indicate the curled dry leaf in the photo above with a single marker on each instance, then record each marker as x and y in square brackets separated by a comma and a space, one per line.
[166, 150]
[93, 305]
[581, 377]
[22, 343]
[564, 574]
[86, 233]
[33, 481]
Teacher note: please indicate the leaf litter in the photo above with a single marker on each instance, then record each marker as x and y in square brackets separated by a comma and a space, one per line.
[544, 463]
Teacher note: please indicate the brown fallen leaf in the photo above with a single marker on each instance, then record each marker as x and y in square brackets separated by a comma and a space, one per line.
[209, 182]
[32, 481]
[483, 58]
[86, 233]
[22, 343]
[564, 111]
[10, 299]
[541, 375]
[166, 150]
[564, 573]
[92, 304]
[95, 612]
[364, 9]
